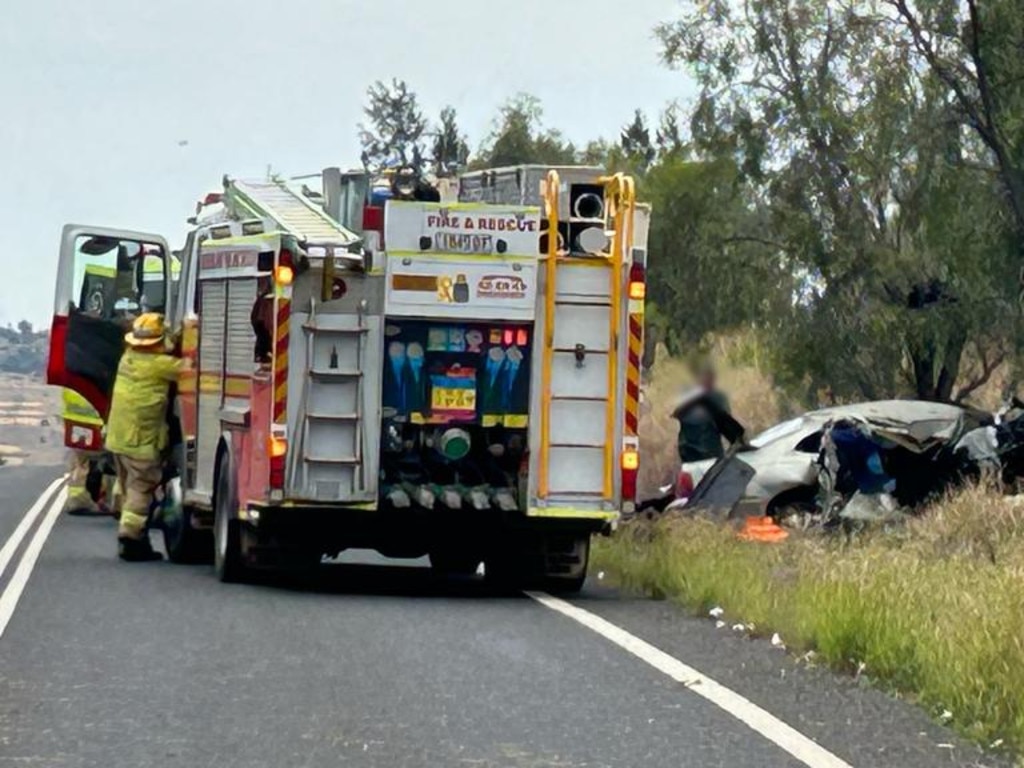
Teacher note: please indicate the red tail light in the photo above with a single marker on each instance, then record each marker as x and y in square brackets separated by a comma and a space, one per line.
[630, 471]
[277, 448]
[286, 259]
[684, 485]
[637, 282]
[373, 218]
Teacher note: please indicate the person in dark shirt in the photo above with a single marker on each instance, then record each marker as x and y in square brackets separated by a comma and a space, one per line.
[699, 437]
[262, 319]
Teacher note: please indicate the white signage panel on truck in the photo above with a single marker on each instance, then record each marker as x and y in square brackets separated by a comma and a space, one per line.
[469, 229]
[428, 286]
[461, 261]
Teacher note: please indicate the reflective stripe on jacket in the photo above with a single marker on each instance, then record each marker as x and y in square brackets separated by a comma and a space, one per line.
[79, 410]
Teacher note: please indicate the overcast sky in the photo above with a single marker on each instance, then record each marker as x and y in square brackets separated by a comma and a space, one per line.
[98, 98]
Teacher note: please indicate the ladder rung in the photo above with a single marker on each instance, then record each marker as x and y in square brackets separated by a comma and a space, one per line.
[583, 302]
[333, 416]
[345, 460]
[579, 399]
[332, 373]
[322, 329]
[588, 351]
[578, 445]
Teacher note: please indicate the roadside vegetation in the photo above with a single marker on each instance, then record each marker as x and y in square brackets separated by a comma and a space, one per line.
[23, 349]
[932, 610]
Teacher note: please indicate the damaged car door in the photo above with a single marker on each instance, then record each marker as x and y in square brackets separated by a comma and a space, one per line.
[725, 483]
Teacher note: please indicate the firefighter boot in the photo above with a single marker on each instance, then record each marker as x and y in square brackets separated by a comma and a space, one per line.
[137, 550]
[80, 500]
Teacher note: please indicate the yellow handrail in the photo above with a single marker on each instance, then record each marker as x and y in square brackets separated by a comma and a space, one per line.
[620, 196]
[551, 188]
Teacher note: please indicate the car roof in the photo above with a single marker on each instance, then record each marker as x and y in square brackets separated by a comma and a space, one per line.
[902, 411]
[933, 420]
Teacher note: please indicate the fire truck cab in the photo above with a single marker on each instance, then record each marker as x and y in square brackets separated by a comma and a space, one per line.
[384, 365]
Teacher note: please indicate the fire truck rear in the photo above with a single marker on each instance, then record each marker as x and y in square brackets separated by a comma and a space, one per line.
[452, 377]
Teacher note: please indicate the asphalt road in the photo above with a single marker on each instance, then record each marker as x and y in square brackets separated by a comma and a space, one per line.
[109, 664]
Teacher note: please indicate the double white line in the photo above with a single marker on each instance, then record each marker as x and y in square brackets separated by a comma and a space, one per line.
[52, 501]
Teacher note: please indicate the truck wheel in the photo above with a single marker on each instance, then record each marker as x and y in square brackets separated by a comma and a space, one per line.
[503, 573]
[228, 563]
[454, 562]
[566, 560]
[565, 585]
[184, 544]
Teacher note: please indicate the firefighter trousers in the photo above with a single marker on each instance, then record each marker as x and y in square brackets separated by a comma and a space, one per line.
[79, 499]
[138, 480]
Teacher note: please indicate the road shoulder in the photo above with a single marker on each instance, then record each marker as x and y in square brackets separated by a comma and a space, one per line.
[861, 724]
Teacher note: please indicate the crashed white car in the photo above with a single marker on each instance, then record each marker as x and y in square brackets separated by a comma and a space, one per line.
[780, 467]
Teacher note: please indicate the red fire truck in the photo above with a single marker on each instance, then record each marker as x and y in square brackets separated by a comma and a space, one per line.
[390, 368]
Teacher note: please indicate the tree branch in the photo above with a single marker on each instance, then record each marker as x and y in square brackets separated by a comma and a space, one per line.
[981, 71]
[983, 116]
[924, 46]
[988, 367]
[753, 239]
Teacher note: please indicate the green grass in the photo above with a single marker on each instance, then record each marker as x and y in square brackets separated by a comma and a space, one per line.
[934, 610]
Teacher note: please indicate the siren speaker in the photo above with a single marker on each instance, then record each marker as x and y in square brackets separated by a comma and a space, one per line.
[545, 243]
[591, 240]
[586, 201]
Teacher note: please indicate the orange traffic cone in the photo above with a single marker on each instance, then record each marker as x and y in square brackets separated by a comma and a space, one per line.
[762, 529]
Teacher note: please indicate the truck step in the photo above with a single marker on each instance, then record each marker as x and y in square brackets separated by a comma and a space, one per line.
[563, 496]
[338, 461]
[332, 416]
[333, 373]
[327, 330]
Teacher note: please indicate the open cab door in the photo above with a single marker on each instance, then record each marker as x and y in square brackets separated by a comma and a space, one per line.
[105, 279]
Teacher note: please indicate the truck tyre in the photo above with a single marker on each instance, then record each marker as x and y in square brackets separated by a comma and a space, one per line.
[184, 544]
[566, 560]
[504, 574]
[454, 562]
[228, 562]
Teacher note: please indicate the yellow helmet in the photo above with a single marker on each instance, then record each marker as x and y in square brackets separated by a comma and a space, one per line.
[147, 330]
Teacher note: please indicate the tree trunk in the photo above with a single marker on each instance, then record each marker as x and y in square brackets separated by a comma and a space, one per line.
[935, 376]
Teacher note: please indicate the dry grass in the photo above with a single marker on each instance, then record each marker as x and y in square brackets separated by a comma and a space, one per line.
[753, 396]
[935, 609]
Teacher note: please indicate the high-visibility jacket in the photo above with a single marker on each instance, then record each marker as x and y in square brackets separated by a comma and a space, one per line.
[78, 410]
[137, 424]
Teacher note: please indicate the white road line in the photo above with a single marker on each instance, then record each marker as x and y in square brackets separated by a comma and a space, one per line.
[764, 723]
[12, 544]
[11, 595]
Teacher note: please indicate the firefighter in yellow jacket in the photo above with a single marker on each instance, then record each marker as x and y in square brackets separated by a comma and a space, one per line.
[78, 412]
[137, 429]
